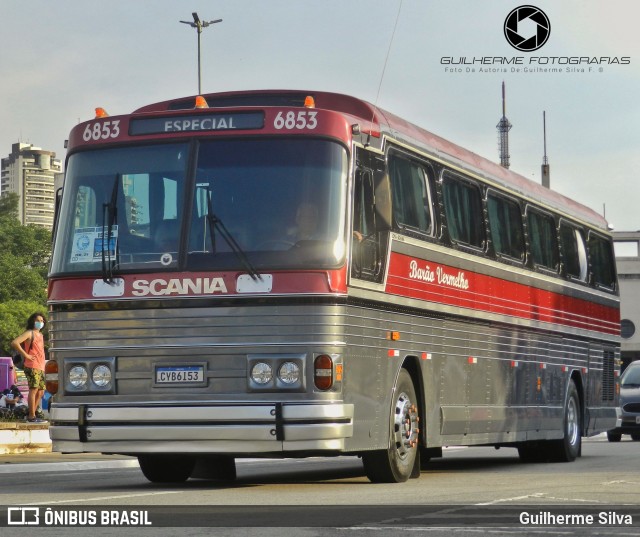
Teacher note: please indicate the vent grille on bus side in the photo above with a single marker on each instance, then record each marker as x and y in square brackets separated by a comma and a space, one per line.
[608, 376]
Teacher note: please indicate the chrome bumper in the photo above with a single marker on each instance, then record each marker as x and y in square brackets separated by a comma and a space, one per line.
[239, 429]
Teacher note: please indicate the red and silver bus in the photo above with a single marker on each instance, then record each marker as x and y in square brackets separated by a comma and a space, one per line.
[287, 274]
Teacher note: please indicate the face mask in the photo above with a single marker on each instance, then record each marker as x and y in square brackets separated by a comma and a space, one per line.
[39, 325]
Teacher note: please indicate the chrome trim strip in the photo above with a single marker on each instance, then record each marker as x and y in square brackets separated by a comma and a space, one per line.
[207, 346]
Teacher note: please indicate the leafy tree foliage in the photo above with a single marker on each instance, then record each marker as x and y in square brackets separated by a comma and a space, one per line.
[24, 261]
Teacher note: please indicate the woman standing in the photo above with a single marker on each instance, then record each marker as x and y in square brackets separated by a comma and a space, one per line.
[31, 345]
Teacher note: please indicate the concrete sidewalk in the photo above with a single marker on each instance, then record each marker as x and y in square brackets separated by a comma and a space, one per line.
[26, 447]
[52, 462]
[24, 437]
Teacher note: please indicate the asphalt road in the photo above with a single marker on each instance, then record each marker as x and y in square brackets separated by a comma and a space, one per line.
[466, 490]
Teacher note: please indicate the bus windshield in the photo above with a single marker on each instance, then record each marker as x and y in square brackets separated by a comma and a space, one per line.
[258, 204]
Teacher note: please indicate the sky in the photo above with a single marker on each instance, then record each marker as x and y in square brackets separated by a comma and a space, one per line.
[60, 60]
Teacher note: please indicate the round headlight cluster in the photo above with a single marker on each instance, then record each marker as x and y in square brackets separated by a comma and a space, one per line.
[261, 373]
[289, 373]
[100, 376]
[78, 376]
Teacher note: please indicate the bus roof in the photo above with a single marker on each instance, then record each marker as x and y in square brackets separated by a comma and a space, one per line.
[375, 121]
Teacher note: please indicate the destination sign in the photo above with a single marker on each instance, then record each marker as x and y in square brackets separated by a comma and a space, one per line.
[197, 123]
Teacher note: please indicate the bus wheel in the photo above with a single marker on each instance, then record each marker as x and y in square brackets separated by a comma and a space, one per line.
[396, 464]
[567, 449]
[166, 468]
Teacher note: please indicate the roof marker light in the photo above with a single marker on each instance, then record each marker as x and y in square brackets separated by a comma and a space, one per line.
[101, 112]
[201, 102]
[309, 102]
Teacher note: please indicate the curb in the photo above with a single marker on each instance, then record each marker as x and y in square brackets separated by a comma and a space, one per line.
[66, 466]
[20, 437]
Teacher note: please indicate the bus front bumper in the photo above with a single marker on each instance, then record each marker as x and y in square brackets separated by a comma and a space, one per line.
[231, 429]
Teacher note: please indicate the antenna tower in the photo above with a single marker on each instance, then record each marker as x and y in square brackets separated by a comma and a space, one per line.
[504, 127]
[546, 170]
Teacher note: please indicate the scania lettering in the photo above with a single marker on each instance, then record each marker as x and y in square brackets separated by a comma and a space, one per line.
[292, 274]
[175, 286]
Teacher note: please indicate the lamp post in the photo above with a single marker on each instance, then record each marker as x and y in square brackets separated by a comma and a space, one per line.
[199, 25]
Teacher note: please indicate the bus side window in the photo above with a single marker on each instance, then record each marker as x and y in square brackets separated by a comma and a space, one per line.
[543, 242]
[505, 223]
[573, 252]
[411, 196]
[463, 211]
[602, 262]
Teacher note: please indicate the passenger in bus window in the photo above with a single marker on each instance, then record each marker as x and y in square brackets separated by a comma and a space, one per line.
[306, 227]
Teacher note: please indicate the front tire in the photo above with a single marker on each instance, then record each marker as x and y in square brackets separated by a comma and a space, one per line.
[396, 463]
[166, 468]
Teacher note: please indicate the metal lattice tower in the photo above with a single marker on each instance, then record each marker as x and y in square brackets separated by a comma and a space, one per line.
[503, 127]
[546, 170]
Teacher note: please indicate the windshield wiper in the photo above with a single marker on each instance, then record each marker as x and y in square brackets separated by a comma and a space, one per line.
[111, 210]
[215, 222]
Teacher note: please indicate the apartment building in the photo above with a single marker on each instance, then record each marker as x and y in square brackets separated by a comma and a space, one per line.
[30, 172]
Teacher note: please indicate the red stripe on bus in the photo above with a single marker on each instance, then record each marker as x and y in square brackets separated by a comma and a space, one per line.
[450, 286]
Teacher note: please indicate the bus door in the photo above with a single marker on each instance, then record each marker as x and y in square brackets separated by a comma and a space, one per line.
[371, 218]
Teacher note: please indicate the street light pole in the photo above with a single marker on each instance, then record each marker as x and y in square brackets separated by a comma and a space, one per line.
[199, 25]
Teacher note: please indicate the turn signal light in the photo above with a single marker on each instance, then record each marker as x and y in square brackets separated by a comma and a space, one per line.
[51, 376]
[101, 112]
[201, 102]
[323, 372]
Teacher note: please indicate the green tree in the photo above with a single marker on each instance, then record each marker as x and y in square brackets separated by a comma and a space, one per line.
[24, 261]
[13, 321]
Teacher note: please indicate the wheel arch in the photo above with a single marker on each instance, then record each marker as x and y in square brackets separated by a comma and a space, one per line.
[414, 368]
[576, 377]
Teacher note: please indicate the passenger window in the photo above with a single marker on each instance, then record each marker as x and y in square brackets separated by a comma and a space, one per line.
[463, 211]
[505, 223]
[574, 252]
[602, 261]
[411, 196]
[543, 241]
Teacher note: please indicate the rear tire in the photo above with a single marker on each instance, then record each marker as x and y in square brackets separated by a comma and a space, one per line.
[635, 437]
[565, 449]
[166, 468]
[396, 464]
[614, 437]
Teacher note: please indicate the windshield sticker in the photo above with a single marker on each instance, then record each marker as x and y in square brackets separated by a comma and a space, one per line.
[88, 244]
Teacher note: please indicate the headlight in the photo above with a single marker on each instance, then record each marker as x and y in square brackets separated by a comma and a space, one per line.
[78, 376]
[261, 373]
[289, 373]
[101, 376]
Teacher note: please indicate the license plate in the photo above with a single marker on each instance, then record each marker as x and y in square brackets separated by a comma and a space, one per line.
[180, 375]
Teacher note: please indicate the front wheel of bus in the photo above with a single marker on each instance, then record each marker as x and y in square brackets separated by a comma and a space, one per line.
[166, 468]
[396, 464]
